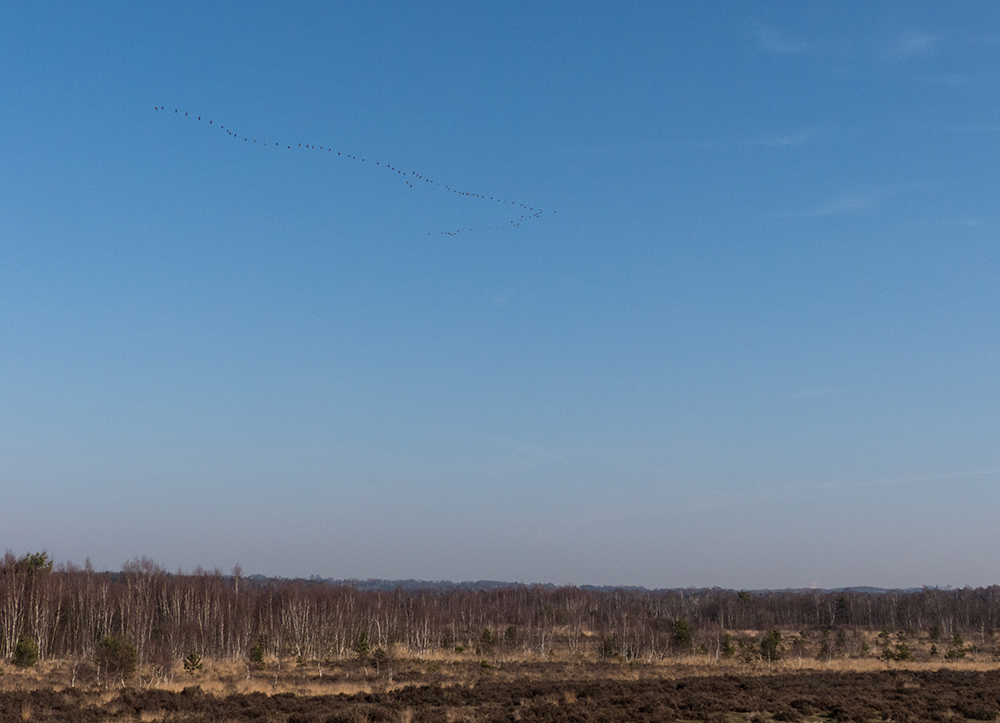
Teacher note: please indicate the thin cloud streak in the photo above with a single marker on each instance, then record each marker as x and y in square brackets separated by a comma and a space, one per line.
[810, 135]
[914, 45]
[786, 140]
[840, 205]
[771, 39]
[966, 222]
[953, 80]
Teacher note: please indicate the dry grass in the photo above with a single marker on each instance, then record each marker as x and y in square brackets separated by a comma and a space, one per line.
[446, 667]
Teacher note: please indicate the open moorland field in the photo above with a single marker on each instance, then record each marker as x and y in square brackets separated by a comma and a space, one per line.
[448, 688]
[145, 645]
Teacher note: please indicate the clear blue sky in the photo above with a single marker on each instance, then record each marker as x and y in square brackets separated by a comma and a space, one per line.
[752, 341]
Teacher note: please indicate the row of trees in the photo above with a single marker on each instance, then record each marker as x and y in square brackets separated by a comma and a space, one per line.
[66, 612]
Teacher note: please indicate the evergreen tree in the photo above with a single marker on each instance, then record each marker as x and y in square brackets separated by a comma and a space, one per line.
[116, 657]
[192, 663]
[770, 646]
[25, 653]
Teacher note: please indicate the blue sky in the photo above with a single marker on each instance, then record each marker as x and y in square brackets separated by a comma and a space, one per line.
[751, 340]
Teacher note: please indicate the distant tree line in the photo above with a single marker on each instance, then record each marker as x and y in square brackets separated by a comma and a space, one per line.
[66, 612]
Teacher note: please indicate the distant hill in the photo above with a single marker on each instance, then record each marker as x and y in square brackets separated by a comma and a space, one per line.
[446, 585]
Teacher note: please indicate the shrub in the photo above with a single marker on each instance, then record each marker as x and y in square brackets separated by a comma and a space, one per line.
[488, 640]
[955, 654]
[749, 652]
[957, 648]
[726, 648]
[607, 647]
[510, 635]
[770, 646]
[361, 646]
[825, 651]
[682, 634]
[192, 664]
[25, 653]
[977, 711]
[256, 655]
[787, 714]
[381, 660]
[116, 657]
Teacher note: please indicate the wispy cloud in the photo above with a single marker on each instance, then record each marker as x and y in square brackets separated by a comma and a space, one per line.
[914, 44]
[948, 79]
[902, 46]
[773, 40]
[809, 135]
[838, 205]
[966, 221]
[845, 204]
[784, 140]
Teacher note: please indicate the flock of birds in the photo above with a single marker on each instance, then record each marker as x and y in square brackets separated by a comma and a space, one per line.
[409, 177]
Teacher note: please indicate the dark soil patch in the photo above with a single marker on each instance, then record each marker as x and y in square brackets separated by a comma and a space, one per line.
[883, 696]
